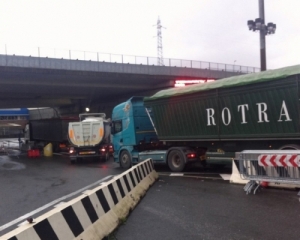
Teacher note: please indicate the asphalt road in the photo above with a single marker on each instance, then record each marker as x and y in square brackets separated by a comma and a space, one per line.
[186, 208]
[30, 187]
[197, 204]
[27, 184]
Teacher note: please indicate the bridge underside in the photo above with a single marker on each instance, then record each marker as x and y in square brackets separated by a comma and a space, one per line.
[72, 85]
[23, 87]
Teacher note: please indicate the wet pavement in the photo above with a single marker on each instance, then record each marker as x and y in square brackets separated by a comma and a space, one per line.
[27, 184]
[196, 204]
[194, 208]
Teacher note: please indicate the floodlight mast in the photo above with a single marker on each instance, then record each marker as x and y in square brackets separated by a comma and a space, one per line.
[259, 25]
[262, 37]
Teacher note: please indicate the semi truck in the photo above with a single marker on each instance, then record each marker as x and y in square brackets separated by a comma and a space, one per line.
[210, 121]
[40, 132]
[90, 137]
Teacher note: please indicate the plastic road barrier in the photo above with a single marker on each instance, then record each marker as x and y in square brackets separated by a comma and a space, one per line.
[96, 213]
[31, 153]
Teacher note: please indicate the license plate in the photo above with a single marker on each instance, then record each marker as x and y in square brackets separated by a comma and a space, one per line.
[87, 153]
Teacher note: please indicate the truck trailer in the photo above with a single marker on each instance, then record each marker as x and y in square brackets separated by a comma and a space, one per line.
[40, 132]
[90, 137]
[210, 121]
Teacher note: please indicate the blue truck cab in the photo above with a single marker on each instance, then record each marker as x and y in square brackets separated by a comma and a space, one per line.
[132, 132]
[135, 139]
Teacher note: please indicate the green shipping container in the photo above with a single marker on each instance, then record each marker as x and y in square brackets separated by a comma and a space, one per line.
[254, 106]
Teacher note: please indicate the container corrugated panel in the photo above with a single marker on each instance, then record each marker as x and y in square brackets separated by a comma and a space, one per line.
[273, 97]
[47, 130]
[54, 129]
[182, 118]
[271, 110]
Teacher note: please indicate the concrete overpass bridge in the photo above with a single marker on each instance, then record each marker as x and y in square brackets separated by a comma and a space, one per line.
[72, 84]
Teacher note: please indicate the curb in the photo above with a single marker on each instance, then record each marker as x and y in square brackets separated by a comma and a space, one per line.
[96, 213]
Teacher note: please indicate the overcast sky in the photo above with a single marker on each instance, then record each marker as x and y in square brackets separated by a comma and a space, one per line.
[203, 30]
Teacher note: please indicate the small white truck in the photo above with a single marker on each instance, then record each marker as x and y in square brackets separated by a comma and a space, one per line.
[90, 137]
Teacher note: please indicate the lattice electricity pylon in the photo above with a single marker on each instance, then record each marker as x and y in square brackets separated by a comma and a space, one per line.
[160, 59]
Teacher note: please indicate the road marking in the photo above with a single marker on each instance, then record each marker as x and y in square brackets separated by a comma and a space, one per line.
[218, 176]
[59, 204]
[51, 203]
[176, 174]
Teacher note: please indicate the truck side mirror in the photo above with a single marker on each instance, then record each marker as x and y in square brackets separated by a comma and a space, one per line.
[112, 128]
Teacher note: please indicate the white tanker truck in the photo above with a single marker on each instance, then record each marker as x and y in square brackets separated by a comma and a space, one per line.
[90, 137]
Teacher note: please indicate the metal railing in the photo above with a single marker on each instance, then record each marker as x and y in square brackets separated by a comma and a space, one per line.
[10, 147]
[276, 166]
[123, 59]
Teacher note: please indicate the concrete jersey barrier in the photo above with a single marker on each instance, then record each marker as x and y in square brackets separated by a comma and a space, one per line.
[95, 213]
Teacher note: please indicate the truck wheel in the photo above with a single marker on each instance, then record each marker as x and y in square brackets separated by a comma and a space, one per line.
[176, 161]
[290, 147]
[125, 159]
[56, 148]
[203, 163]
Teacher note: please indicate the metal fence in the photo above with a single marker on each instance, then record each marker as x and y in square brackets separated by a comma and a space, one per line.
[123, 59]
[277, 166]
[10, 147]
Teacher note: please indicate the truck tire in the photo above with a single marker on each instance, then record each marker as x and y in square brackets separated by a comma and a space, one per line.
[56, 148]
[290, 147]
[125, 159]
[176, 161]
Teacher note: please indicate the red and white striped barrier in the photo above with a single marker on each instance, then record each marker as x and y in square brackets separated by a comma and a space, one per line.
[279, 160]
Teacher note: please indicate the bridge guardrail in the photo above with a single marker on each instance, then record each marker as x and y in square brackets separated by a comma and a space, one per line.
[123, 59]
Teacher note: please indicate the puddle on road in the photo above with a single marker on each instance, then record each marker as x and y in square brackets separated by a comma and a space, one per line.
[8, 164]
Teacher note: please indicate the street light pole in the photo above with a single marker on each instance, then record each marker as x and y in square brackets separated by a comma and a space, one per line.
[263, 61]
[259, 25]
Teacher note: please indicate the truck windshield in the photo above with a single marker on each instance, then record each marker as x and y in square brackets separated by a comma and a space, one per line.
[116, 126]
